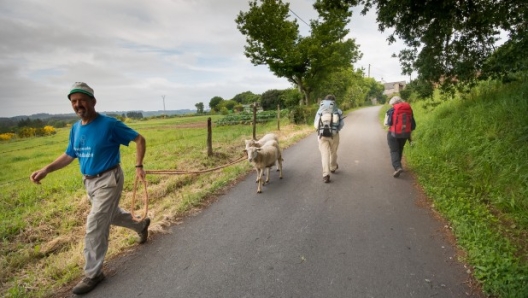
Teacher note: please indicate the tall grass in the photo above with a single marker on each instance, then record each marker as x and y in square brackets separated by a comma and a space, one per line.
[471, 158]
[42, 226]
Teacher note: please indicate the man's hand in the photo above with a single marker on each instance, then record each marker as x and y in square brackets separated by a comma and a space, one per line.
[59, 163]
[36, 176]
[140, 172]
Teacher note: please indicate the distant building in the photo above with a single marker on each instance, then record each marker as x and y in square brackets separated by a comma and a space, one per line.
[248, 108]
[393, 87]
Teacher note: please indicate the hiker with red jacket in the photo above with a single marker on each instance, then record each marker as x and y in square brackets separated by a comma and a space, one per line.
[399, 118]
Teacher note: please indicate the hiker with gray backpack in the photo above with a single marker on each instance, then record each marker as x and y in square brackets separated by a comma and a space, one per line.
[328, 122]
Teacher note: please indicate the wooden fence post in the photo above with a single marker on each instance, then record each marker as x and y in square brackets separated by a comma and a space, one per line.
[209, 138]
[278, 117]
[255, 121]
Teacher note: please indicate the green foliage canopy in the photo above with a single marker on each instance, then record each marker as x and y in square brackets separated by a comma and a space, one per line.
[199, 108]
[273, 40]
[228, 104]
[450, 41]
[271, 98]
[134, 115]
[214, 102]
[247, 97]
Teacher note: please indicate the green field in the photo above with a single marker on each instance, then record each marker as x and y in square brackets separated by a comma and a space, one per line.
[42, 226]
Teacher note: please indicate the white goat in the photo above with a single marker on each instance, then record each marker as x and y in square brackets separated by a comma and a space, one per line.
[262, 141]
[270, 142]
[265, 157]
[265, 139]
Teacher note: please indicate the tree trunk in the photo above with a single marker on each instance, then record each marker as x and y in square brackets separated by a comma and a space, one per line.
[306, 98]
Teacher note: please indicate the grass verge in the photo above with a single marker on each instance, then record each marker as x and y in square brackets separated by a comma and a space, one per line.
[469, 155]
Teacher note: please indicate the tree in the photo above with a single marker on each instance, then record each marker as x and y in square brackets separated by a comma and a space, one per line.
[134, 115]
[24, 122]
[214, 102]
[270, 99]
[246, 97]
[291, 98]
[509, 59]
[238, 108]
[449, 41]
[375, 90]
[357, 90]
[337, 83]
[414, 88]
[199, 108]
[228, 104]
[273, 40]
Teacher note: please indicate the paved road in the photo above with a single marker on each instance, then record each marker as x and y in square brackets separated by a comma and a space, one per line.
[362, 235]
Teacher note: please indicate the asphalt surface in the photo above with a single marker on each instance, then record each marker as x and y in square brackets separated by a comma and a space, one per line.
[361, 235]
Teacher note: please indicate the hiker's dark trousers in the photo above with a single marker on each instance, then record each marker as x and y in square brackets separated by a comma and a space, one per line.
[396, 150]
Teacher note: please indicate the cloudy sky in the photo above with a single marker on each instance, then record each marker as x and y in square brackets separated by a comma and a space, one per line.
[135, 52]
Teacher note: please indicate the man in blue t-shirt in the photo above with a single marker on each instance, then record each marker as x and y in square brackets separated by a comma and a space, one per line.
[95, 141]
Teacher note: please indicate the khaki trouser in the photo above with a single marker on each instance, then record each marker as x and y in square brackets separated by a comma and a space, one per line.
[104, 193]
[328, 148]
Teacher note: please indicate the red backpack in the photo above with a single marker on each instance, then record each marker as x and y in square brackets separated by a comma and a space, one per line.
[401, 121]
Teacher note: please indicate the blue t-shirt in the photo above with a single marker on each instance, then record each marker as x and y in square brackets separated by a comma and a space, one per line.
[97, 143]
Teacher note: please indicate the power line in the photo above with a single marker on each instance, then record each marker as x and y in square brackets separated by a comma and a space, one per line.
[298, 17]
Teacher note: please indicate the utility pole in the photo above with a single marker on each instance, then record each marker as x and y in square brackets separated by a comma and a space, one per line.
[163, 96]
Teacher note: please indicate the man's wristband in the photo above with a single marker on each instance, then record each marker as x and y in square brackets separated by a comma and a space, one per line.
[139, 166]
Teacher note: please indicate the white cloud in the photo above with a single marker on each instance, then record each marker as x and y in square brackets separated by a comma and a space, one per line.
[377, 53]
[132, 52]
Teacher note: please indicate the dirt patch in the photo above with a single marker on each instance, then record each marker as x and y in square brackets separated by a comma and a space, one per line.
[192, 125]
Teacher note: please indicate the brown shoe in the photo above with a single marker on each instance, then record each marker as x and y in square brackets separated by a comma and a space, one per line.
[337, 167]
[326, 179]
[87, 284]
[143, 235]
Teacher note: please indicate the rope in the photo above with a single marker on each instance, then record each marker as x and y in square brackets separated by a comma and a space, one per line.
[182, 172]
[145, 201]
[161, 172]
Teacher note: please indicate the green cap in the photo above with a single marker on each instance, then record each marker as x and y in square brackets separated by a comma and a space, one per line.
[80, 87]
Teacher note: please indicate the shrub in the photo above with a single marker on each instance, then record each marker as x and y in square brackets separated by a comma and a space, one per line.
[303, 114]
[6, 136]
